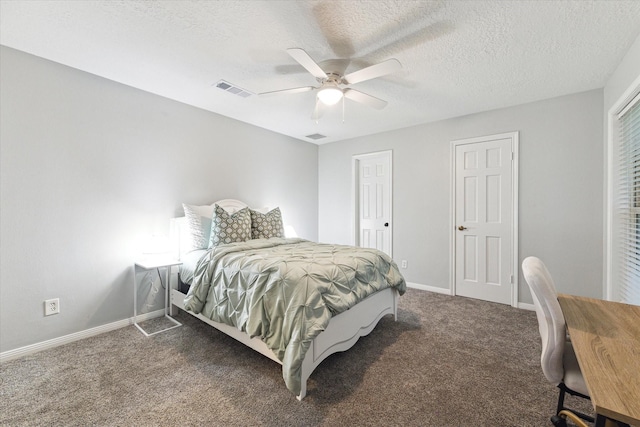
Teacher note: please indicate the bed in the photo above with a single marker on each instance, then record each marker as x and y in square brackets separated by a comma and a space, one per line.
[294, 301]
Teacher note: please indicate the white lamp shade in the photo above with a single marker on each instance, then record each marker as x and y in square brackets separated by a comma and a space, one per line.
[330, 95]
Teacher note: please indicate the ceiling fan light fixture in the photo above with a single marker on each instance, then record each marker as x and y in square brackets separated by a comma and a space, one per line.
[330, 95]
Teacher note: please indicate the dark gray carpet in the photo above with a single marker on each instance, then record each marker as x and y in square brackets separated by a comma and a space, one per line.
[447, 361]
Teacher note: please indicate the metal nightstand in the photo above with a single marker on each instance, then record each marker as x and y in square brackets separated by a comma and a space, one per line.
[148, 264]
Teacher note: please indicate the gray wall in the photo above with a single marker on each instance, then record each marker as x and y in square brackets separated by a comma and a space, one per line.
[561, 189]
[90, 168]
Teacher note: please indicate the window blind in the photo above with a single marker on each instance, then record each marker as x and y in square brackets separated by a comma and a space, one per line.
[628, 204]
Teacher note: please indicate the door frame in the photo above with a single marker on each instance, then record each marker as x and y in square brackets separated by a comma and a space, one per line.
[355, 200]
[515, 268]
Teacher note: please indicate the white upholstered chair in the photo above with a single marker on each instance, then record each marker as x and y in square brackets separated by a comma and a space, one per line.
[558, 360]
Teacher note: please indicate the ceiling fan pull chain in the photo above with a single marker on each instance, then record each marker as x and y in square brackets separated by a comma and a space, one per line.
[343, 109]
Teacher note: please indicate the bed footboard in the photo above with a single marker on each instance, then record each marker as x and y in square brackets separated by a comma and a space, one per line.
[341, 334]
[346, 328]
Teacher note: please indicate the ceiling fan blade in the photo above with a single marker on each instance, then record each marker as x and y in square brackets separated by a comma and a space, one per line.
[415, 38]
[363, 98]
[307, 62]
[293, 90]
[332, 18]
[378, 70]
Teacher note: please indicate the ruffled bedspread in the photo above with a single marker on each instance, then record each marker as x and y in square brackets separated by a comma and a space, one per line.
[286, 290]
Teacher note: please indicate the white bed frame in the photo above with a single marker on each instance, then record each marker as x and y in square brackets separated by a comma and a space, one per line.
[341, 334]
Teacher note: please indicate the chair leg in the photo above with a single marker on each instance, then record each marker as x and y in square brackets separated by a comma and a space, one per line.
[564, 389]
[558, 421]
[560, 398]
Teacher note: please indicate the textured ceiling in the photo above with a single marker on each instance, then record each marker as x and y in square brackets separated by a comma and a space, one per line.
[458, 57]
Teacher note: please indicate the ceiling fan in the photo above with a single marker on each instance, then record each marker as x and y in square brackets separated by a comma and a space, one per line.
[334, 83]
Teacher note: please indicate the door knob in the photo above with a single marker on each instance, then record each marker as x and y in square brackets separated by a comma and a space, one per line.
[386, 224]
[462, 228]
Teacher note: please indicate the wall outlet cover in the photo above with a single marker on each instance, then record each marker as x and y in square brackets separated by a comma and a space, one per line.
[52, 306]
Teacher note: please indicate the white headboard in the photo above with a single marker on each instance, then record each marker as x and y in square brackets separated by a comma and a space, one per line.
[179, 233]
[230, 205]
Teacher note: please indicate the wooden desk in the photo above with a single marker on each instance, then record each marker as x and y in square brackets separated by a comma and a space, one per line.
[606, 339]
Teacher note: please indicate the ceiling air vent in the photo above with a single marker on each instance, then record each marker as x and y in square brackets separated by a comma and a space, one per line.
[316, 136]
[228, 87]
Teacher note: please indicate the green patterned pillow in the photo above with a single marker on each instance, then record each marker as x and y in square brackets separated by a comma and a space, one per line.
[229, 228]
[265, 226]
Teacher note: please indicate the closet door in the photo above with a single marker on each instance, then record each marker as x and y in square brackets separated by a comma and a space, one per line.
[373, 206]
[484, 219]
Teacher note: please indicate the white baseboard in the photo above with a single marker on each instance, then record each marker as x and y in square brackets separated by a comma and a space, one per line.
[436, 289]
[76, 336]
[447, 291]
[526, 306]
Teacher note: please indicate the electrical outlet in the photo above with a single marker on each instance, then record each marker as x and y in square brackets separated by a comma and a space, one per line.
[404, 263]
[51, 306]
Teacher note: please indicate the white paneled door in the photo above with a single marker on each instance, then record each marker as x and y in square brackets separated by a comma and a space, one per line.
[373, 188]
[484, 218]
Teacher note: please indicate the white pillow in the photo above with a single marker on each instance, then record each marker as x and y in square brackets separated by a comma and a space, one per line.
[199, 222]
[198, 225]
